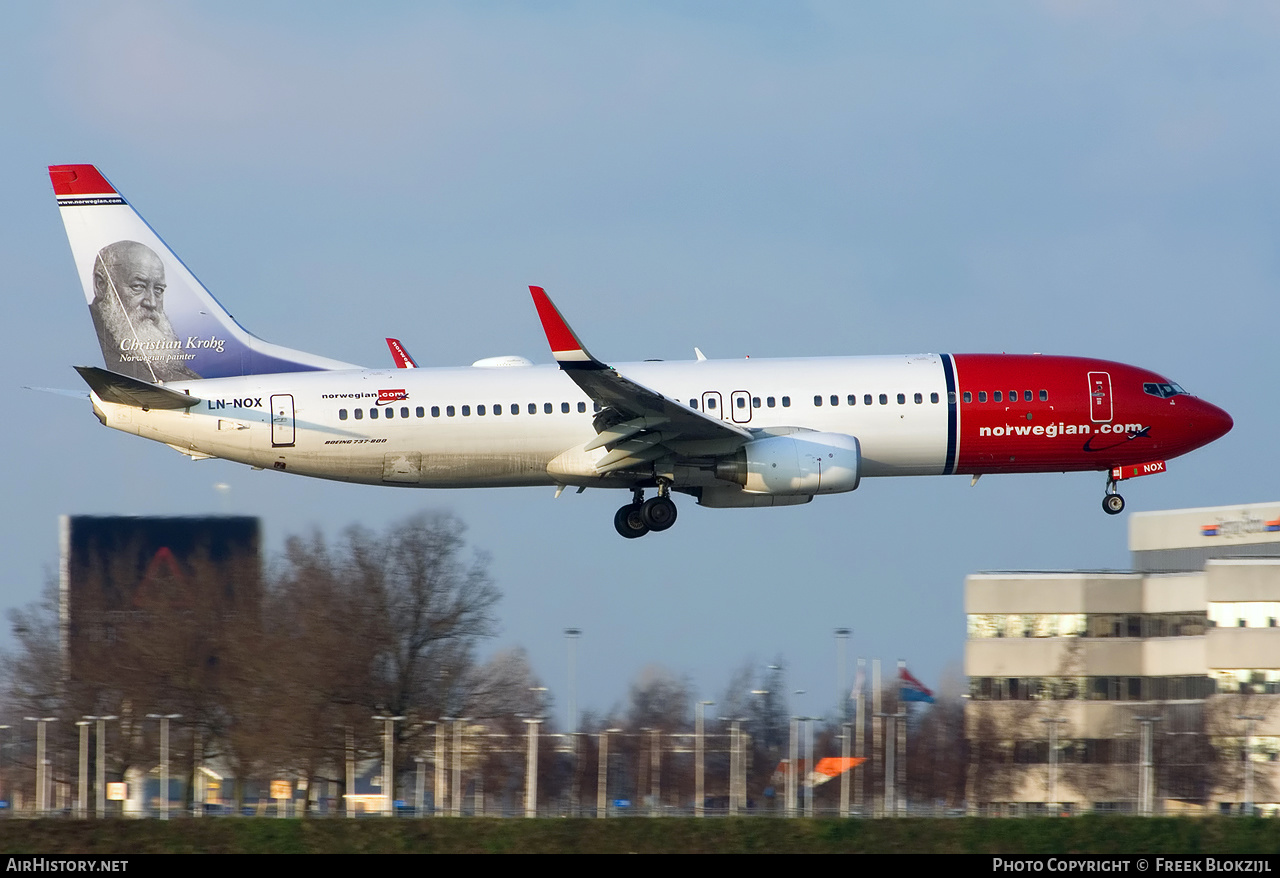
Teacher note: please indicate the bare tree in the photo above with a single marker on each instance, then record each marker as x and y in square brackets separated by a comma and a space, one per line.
[382, 622]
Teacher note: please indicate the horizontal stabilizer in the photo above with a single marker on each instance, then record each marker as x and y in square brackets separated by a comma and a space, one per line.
[121, 389]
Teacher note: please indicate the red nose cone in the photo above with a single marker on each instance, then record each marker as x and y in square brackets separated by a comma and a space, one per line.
[1214, 422]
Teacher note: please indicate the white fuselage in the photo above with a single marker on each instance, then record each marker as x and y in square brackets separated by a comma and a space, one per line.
[527, 425]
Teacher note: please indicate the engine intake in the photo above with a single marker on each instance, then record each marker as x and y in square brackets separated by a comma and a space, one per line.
[802, 463]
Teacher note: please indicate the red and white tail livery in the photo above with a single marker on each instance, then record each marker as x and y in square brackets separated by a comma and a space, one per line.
[730, 433]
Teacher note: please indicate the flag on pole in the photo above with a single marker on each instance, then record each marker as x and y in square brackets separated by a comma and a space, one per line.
[911, 689]
[829, 768]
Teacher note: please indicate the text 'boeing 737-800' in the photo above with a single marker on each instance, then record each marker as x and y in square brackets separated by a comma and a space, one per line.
[731, 433]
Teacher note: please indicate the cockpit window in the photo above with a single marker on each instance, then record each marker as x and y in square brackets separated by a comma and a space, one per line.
[1164, 391]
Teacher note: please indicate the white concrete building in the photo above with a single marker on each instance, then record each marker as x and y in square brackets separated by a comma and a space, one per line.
[1136, 690]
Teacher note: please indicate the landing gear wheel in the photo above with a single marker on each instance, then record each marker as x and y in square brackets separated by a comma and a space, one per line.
[1113, 504]
[629, 521]
[659, 513]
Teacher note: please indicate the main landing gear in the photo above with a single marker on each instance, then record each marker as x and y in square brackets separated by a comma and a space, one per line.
[640, 516]
[1112, 503]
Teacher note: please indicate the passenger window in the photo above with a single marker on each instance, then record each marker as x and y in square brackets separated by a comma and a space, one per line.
[404, 412]
[711, 402]
[479, 410]
[817, 400]
[919, 398]
[497, 409]
[968, 396]
[933, 397]
[342, 414]
[902, 399]
[835, 400]
[982, 396]
[422, 413]
[359, 413]
[997, 396]
[1044, 396]
[582, 408]
[391, 413]
[435, 411]
[564, 408]
[693, 403]
[853, 399]
[786, 402]
[533, 408]
[755, 402]
[742, 402]
[449, 410]
[769, 401]
[1013, 396]
[515, 408]
[884, 399]
[546, 408]
[373, 413]
[1026, 396]
[466, 411]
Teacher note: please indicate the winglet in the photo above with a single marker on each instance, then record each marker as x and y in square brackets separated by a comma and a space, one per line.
[565, 347]
[400, 355]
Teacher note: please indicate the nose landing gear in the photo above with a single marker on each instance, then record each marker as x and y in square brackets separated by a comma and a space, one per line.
[640, 516]
[1112, 503]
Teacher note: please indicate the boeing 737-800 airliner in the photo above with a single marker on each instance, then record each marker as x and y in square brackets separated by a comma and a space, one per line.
[731, 433]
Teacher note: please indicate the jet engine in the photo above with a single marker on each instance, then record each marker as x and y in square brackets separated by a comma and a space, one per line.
[798, 464]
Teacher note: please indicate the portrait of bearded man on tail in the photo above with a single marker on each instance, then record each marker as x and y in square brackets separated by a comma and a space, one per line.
[128, 312]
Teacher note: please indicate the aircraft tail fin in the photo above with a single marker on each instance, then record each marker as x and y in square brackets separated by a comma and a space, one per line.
[155, 321]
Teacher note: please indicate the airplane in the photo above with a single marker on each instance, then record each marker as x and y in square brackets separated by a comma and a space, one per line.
[730, 433]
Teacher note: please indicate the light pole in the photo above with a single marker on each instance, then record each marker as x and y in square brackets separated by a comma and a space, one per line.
[458, 724]
[531, 770]
[700, 800]
[1053, 723]
[842, 694]
[1146, 777]
[4, 787]
[845, 729]
[388, 760]
[808, 756]
[602, 775]
[164, 759]
[1248, 760]
[890, 752]
[82, 798]
[571, 636]
[435, 773]
[792, 767]
[42, 764]
[348, 805]
[859, 733]
[655, 771]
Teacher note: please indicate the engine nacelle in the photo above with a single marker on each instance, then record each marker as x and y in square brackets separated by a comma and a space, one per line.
[801, 463]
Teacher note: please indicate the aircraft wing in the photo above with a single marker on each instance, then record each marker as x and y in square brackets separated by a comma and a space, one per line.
[113, 387]
[637, 424]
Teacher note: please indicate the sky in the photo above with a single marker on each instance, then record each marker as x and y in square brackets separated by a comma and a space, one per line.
[753, 178]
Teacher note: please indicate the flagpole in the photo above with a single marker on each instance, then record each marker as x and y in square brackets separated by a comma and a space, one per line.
[900, 784]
